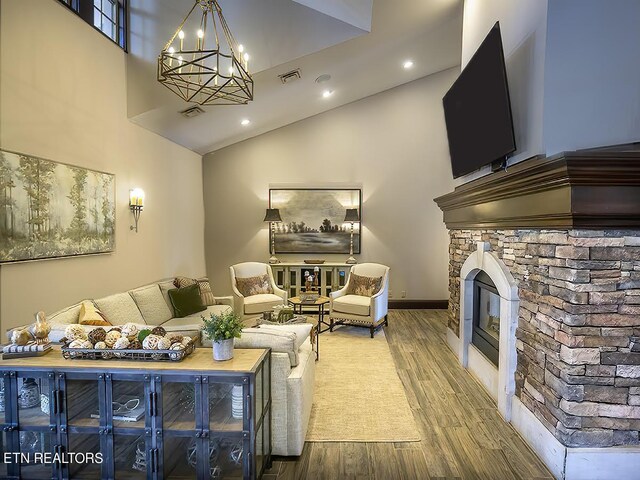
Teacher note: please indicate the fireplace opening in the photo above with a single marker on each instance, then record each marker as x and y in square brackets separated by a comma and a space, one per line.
[486, 317]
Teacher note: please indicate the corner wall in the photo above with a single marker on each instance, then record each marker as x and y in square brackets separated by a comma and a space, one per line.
[393, 145]
[63, 97]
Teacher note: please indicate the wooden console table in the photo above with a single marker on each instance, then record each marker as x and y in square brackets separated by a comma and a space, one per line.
[147, 420]
[290, 276]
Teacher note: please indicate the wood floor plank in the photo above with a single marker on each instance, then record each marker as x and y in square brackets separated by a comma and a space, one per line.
[463, 435]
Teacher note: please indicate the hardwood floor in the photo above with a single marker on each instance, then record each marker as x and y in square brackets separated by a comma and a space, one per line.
[463, 434]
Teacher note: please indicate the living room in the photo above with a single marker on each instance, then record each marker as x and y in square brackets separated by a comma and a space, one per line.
[360, 110]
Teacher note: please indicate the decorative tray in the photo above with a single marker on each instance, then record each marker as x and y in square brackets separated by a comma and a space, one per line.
[128, 354]
[314, 262]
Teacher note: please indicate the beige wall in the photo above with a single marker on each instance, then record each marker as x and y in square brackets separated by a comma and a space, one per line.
[393, 145]
[63, 97]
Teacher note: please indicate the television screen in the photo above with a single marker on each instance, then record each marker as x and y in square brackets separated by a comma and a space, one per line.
[477, 110]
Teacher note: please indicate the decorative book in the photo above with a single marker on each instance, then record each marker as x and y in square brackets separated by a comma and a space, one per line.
[126, 408]
[30, 350]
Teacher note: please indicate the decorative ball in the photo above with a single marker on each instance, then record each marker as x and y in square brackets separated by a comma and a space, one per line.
[97, 335]
[116, 329]
[130, 330]
[144, 334]
[81, 344]
[164, 344]
[151, 342]
[174, 337]
[107, 355]
[75, 332]
[100, 346]
[161, 332]
[186, 340]
[121, 343]
[178, 347]
[111, 338]
[135, 345]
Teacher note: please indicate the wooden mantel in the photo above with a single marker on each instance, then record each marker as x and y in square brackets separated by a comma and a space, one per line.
[592, 189]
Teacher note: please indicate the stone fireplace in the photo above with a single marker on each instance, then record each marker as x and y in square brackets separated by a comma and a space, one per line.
[560, 239]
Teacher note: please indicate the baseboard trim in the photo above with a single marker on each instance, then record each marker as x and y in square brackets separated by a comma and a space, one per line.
[419, 304]
[453, 342]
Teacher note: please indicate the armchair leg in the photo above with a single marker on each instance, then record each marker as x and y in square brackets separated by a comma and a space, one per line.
[372, 328]
[386, 320]
[331, 324]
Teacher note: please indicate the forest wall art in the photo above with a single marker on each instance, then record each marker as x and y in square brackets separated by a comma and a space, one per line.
[313, 219]
[49, 209]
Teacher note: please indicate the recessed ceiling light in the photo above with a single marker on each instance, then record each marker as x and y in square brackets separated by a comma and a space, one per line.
[327, 93]
[245, 122]
[323, 78]
[407, 64]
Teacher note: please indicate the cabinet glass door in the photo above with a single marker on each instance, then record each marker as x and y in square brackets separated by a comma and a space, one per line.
[179, 404]
[128, 402]
[180, 456]
[226, 456]
[82, 406]
[34, 394]
[131, 455]
[226, 405]
[93, 463]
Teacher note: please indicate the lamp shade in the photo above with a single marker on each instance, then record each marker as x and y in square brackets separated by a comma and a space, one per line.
[352, 215]
[272, 215]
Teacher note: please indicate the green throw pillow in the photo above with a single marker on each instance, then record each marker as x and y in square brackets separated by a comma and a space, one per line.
[186, 301]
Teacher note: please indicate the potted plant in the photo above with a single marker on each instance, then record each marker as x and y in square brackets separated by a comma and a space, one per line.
[221, 330]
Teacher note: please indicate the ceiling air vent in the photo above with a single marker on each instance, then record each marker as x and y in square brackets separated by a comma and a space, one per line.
[192, 112]
[291, 76]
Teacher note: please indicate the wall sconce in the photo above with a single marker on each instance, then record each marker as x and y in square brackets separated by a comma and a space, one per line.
[351, 217]
[136, 204]
[273, 216]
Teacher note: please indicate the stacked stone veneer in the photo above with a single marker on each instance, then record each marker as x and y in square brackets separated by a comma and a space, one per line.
[578, 335]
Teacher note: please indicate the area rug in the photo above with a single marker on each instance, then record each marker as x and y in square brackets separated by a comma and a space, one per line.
[358, 395]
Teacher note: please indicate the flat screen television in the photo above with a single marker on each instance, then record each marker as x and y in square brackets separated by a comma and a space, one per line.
[477, 110]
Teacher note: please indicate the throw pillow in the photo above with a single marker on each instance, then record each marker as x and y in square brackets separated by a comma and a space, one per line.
[186, 301]
[254, 285]
[90, 315]
[203, 283]
[364, 286]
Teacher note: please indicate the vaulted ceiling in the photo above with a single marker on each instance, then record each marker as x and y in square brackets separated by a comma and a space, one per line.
[362, 44]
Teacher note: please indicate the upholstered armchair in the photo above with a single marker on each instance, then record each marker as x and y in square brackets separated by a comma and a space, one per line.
[364, 299]
[254, 289]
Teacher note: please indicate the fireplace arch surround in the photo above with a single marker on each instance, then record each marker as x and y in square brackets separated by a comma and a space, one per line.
[483, 260]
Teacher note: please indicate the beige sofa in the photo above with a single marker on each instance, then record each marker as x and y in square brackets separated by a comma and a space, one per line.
[293, 370]
[292, 356]
[147, 307]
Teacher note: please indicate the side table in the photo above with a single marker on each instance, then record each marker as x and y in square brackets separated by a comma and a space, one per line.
[299, 305]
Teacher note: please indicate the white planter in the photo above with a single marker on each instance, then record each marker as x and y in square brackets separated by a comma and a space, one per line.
[223, 350]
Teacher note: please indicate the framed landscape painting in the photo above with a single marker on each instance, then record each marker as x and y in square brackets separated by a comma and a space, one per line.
[50, 209]
[313, 219]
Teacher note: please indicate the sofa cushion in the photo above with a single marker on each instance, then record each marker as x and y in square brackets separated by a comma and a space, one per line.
[90, 315]
[119, 309]
[203, 284]
[164, 289]
[257, 285]
[352, 304]
[66, 316]
[186, 301]
[364, 286]
[278, 341]
[261, 303]
[302, 331]
[151, 304]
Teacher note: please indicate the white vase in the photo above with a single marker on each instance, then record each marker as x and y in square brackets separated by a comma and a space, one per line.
[223, 350]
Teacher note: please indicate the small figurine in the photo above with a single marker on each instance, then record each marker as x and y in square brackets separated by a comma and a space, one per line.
[21, 337]
[41, 329]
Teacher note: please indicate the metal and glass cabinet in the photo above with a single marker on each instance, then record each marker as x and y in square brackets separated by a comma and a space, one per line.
[291, 277]
[120, 419]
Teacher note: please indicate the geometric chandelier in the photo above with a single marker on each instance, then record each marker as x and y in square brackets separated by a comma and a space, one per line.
[202, 63]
